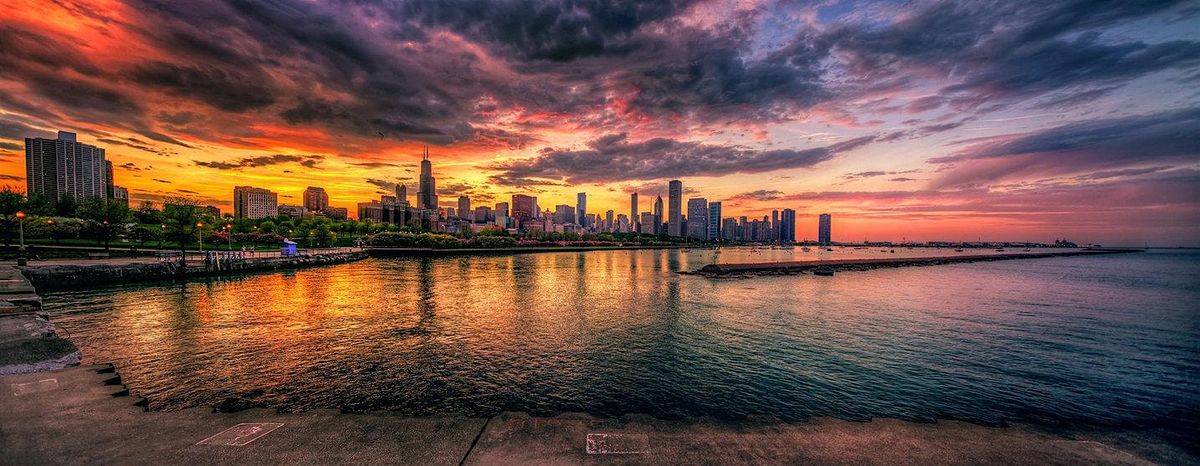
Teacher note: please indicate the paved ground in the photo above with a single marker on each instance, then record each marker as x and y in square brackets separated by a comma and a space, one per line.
[72, 416]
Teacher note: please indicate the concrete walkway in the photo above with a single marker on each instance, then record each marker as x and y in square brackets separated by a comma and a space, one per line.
[82, 415]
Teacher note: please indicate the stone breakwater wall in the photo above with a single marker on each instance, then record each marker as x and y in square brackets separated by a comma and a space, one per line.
[48, 277]
[827, 267]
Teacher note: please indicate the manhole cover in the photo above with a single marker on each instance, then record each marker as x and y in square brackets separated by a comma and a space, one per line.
[241, 434]
[26, 388]
[617, 444]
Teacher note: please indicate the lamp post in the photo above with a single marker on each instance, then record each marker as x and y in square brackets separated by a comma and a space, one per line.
[200, 235]
[21, 248]
[229, 235]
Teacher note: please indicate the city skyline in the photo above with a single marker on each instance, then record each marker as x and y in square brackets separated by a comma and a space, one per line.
[933, 121]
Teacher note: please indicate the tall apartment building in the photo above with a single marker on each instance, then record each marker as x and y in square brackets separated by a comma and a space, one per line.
[787, 226]
[254, 203]
[823, 227]
[62, 166]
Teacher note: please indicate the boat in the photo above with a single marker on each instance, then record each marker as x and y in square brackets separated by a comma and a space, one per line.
[958, 250]
[806, 249]
[829, 249]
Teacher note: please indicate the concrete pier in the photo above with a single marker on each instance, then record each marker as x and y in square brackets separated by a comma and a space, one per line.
[827, 267]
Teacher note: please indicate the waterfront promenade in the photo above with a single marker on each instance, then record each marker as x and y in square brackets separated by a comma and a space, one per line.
[84, 415]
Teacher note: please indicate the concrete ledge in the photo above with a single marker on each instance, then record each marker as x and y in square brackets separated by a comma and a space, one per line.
[71, 417]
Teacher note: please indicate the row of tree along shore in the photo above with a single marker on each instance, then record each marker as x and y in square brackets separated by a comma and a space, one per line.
[182, 224]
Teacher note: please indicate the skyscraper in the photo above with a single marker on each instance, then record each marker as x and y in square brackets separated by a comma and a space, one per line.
[254, 203]
[108, 179]
[564, 214]
[427, 189]
[608, 221]
[714, 220]
[674, 208]
[658, 215]
[315, 199]
[787, 226]
[464, 207]
[697, 218]
[524, 208]
[775, 229]
[823, 227]
[581, 209]
[402, 193]
[633, 212]
[62, 166]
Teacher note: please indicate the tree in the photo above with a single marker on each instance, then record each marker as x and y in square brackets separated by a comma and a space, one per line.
[146, 213]
[180, 215]
[11, 202]
[66, 206]
[143, 234]
[267, 227]
[107, 218]
[39, 204]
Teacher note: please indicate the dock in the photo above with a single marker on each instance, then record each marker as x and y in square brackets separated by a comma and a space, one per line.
[827, 267]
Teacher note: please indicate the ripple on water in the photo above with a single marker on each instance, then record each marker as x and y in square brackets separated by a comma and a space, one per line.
[1092, 340]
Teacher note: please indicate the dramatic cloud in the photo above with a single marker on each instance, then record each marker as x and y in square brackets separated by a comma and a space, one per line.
[1169, 137]
[614, 158]
[552, 97]
[309, 161]
[760, 195]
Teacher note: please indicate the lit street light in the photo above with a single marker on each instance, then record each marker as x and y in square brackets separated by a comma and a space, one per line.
[21, 226]
[200, 235]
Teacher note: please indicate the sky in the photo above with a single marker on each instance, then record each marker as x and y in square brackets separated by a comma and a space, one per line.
[918, 120]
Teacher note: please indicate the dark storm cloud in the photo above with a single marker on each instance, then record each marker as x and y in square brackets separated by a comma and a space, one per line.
[1116, 143]
[262, 161]
[225, 89]
[1014, 50]
[10, 146]
[446, 72]
[556, 30]
[613, 158]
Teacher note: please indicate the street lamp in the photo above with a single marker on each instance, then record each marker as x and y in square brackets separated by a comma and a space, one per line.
[162, 236]
[229, 235]
[21, 226]
[200, 235]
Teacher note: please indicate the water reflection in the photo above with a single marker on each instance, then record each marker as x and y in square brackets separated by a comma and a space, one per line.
[613, 332]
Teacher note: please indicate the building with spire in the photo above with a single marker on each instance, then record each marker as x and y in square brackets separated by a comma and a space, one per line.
[427, 189]
[658, 215]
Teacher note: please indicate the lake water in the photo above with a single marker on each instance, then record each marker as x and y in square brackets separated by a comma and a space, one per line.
[1104, 340]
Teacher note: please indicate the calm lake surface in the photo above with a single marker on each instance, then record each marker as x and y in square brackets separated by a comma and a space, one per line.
[1105, 340]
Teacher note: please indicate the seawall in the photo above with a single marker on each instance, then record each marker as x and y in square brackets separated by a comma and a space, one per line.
[51, 276]
[825, 267]
[430, 252]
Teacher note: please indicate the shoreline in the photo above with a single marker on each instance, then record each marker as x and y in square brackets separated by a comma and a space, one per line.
[86, 414]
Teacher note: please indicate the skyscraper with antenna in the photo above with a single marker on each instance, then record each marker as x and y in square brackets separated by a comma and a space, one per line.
[427, 190]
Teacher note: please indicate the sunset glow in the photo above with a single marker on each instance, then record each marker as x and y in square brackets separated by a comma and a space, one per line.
[926, 120]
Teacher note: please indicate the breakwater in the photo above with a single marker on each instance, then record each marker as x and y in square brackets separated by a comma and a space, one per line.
[828, 267]
[432, 252]
[69, 275]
